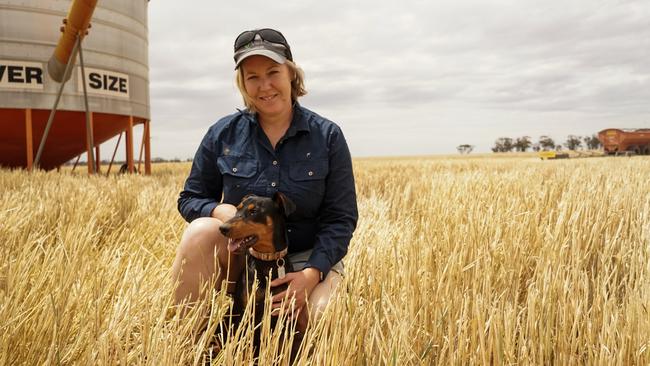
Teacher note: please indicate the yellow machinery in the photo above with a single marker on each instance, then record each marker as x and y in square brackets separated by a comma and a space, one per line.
[76, 24]
[552, 155]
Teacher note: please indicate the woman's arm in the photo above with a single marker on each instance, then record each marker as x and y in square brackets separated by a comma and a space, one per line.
[338, 213]
[203, 187]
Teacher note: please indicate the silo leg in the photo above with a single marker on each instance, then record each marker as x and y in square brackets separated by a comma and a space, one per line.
[144, 135]
[147, 148]
[28, 138]
[98, 160]
[114, 152]
[89, 142]
[129, 144]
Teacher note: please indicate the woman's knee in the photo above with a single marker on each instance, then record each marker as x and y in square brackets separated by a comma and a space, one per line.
[203, 246]
[200, 238]
[322, 294]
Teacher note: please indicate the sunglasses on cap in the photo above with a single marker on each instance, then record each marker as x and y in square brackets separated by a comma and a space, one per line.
[266, 34]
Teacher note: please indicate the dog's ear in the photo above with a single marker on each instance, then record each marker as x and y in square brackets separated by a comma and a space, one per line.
[241, 203]
[283, 201]
[247, 196]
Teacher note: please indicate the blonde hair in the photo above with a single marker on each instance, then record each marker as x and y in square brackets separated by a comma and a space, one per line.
[297, 85]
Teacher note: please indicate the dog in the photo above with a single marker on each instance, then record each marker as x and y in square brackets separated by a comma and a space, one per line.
[258, 230]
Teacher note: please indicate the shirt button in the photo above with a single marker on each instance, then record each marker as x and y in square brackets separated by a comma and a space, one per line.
[273, 184]
[234, 170]
[310, 173]
[275, 162]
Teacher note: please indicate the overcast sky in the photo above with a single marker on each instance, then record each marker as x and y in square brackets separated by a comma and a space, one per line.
[412, 77]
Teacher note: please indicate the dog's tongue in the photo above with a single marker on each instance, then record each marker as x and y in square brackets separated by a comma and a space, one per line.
[233, 244]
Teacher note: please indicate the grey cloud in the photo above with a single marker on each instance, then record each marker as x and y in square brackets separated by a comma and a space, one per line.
[578, 61]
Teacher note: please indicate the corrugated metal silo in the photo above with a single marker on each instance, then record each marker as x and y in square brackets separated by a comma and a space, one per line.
[117, 79]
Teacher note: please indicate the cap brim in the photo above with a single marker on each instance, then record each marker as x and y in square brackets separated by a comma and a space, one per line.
[261, 52]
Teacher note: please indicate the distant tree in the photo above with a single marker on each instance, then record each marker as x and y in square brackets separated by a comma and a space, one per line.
[536, 147]
[522, 143]
[595, 142]
[465, 148]
[558, 147]
[591, 142]
[573, 142]
[546, 143]
[503, 144]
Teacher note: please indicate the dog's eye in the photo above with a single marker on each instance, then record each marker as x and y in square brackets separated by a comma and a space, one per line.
[252, 211]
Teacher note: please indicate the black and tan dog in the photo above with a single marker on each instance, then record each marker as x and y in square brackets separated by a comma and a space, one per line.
[258, 230]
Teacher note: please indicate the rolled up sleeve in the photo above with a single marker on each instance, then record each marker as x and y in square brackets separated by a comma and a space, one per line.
[203, 187]
[338, 214]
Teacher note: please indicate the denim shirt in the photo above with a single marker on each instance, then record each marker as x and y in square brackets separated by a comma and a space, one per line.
[311, 165]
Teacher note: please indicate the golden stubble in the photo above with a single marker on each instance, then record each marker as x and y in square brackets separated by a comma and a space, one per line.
[480, 260]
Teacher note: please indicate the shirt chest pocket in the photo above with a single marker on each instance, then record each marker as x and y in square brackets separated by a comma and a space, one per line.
[237, 173]
[309, 177]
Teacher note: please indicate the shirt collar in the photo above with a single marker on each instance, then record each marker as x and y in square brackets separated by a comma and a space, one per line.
[298, 121]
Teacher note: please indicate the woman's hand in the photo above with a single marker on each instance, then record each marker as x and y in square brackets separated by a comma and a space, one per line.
[224, 212]
[301, 284]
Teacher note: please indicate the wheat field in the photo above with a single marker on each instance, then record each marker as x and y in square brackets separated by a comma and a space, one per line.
[473, 260]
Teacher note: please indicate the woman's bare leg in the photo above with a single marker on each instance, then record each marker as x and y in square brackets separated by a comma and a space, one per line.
[318, 300]
[203, 256]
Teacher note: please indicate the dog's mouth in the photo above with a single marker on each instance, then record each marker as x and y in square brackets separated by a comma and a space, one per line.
[237, 246]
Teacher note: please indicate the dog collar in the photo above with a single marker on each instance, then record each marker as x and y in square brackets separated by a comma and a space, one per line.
[268, 256]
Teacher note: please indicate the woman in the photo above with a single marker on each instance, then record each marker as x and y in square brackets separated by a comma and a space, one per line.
[273, 145]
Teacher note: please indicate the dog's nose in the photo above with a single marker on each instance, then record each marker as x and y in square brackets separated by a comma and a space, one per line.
[225, 229]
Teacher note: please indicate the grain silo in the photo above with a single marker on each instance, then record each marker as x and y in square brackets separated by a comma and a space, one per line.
[115, 55]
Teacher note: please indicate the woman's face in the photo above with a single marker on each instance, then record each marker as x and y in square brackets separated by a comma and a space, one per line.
[268, 84]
